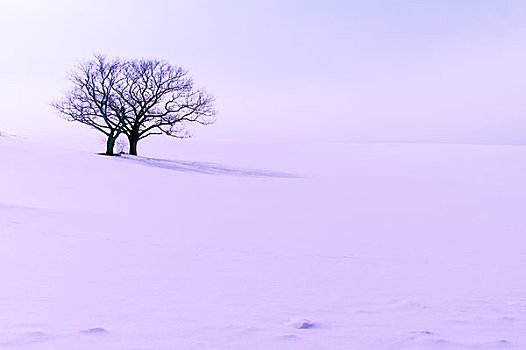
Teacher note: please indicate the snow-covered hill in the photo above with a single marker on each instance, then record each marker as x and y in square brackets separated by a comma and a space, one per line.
[220, 246]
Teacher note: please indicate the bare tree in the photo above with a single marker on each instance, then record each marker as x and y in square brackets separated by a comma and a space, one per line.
[93, 100]
[137, 98]
[160, 98]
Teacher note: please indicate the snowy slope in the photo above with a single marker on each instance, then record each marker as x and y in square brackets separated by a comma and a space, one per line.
[224, 246]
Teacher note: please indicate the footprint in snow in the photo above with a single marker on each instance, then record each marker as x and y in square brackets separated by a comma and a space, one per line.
[407, 304]
[501, 344]
[424, 340]
[423, 332]
[288, 337]
[94, 331]
[26, 339]
[302, 324]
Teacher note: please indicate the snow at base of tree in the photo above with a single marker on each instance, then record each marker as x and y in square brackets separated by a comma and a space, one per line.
[273, 246]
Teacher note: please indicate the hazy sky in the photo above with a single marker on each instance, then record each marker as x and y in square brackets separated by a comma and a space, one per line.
[375, 70]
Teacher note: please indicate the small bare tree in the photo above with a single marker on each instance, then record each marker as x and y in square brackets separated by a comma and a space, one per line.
[136, 98]
[92, 100]
[160, 98]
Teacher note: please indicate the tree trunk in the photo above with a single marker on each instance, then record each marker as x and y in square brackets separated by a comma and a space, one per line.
[110, 144]
[133, 145]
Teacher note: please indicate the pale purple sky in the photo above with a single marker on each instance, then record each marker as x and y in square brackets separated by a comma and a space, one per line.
[406, 70]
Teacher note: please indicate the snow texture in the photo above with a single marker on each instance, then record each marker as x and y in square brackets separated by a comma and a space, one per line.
[307, 246]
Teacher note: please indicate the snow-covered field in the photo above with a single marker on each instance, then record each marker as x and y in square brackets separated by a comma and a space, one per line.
[225, 246]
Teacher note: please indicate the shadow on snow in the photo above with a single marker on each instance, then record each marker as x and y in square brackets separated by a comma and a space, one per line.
[206, 168]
